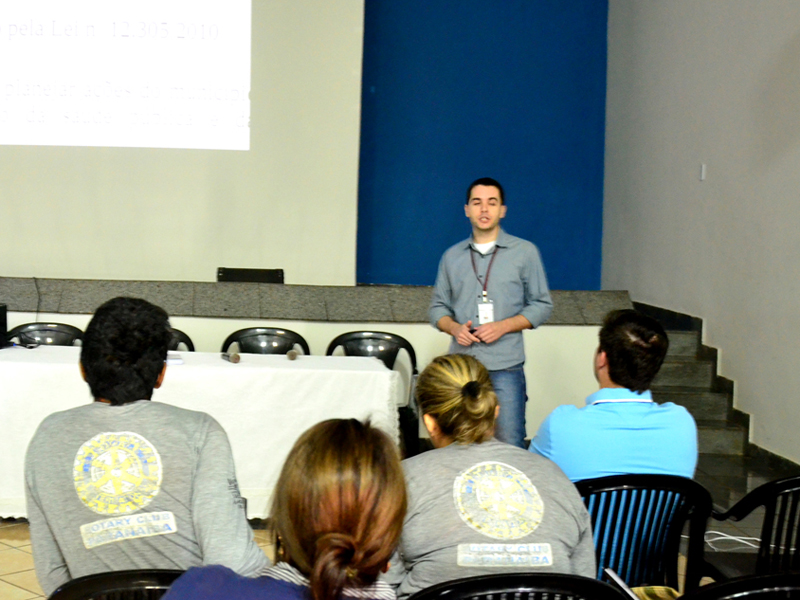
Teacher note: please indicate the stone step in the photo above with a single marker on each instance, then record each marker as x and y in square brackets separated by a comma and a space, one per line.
[703, 405]
[682, 372]
[683, 343]
[714, 438]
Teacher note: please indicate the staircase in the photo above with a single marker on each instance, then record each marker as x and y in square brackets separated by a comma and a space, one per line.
[689, 378]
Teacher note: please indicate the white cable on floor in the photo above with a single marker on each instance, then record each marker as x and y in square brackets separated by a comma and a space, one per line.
[744, 542]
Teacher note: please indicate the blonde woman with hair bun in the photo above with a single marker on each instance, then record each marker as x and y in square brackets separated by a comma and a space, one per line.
[336, 518]
[478, 506]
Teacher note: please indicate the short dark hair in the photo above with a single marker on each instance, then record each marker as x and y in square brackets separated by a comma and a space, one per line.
[486, 181]
[124, 349]
[635, 346]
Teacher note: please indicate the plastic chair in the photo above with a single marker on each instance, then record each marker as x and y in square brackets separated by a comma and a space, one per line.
[178, 338]
[265, 340]
[779, 550]
[41, 334]
[521, 586]
[386, 346]
[761, 587]
[146, 584]
[379, 344]
[637, 521]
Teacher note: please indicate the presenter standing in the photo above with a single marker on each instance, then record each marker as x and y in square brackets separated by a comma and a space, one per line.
[490, 288]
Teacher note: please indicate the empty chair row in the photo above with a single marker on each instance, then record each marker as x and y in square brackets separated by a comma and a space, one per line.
[252, 340]
[61, 334]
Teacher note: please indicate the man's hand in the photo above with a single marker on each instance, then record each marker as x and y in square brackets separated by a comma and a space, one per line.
[491, 332]
[461, 333]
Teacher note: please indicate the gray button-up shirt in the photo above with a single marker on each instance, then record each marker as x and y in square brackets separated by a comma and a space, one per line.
[517, 286]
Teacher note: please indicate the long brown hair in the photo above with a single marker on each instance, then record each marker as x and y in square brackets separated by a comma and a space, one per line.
[456, 391]
[339, 505]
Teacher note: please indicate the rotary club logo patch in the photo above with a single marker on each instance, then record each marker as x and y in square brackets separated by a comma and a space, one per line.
[498, 500]
[117, 473]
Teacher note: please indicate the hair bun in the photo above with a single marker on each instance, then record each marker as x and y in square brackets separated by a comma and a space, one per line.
[471, 389]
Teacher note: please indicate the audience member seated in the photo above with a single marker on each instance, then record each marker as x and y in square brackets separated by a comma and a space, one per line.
[126, 483]
[621, 430]
[479, 506]
[336, 518]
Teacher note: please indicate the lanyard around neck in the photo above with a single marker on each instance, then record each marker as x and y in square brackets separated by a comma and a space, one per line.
[488, 269]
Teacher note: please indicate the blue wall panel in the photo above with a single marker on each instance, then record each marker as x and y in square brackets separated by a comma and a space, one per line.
[456, 90]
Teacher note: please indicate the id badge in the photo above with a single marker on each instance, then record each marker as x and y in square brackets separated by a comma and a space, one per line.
[485, 312]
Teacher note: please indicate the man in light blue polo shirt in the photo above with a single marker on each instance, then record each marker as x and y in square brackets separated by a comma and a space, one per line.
[621, 430]
[489, 289]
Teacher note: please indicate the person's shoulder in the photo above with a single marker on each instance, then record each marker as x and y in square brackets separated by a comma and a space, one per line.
[211, 581]
[192, 424]
[63, 418]
[422, 462]
[513, 241]
[566, 412]
[540, 470]
[457, 248]
[676, 412]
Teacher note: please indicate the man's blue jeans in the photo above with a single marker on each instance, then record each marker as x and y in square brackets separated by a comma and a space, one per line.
[509, 385]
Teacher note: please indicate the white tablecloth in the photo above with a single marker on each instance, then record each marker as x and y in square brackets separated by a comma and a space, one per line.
[264, 403]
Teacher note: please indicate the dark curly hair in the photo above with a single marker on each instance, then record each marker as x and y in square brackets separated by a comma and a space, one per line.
[124, 349]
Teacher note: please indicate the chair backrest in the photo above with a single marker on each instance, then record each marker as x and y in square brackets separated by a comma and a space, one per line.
[779, 550]
[761, 587]
[54, 334]
[521, 586]
[147, 584]
[265, 340]
[637, 521]
[379, 344]
[178, 338]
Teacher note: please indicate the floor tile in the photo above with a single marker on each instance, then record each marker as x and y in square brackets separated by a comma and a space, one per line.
[12, 592]
[14, 561]
[15, 535]
[26, 580]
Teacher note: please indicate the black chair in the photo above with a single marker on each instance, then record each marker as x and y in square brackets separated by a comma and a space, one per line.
[146, 584]
[385, 346]
[761, 587]
[382, 345]
[779, 550]
[265, 340]
[521, 586]
[178, 338]
[41, 334]
[637, 521]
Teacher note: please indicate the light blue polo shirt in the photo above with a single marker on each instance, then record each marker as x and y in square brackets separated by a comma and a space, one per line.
[619, 431]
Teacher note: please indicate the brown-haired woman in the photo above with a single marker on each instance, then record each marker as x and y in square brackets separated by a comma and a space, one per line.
[336, 516]
[477, 505]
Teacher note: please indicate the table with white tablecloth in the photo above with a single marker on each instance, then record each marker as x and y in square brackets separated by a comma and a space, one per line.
[264, 403]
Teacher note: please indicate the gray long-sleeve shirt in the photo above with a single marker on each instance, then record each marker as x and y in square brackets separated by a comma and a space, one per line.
[487, 508]
[517, 285]
[143, 485]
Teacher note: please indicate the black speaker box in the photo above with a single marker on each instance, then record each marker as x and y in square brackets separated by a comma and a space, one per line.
[3, 326]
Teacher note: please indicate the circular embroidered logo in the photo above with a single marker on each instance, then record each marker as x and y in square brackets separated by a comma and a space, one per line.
[498, 500]
[117, 473]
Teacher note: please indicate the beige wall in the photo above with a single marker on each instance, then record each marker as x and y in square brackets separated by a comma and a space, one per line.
[558, 368]
[703, 81]
[290, 202]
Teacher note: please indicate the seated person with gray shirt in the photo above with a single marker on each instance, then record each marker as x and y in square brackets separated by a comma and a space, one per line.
[126, 483]
[478, 506]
